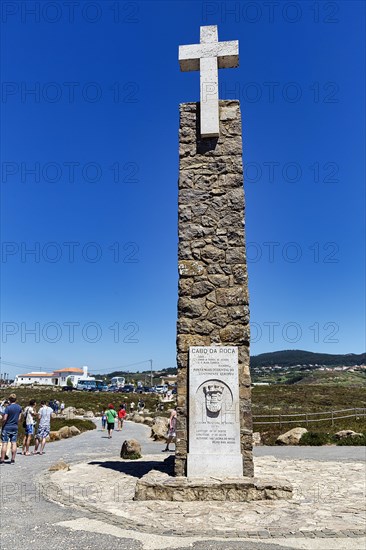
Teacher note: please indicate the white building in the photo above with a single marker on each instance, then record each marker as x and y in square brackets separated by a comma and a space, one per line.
[56, 378]
[39, 378]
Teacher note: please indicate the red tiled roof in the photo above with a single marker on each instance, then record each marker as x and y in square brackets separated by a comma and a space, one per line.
[69, 370]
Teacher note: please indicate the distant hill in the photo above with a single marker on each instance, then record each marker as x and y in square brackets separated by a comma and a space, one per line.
[293, 357]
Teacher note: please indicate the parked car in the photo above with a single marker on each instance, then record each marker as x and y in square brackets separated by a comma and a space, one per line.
[112, 388]
[145, 389]
[101, 386]
[67, 388]
[161, 389]
[128, 388]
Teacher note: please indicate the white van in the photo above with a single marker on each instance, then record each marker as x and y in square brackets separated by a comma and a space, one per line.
[86, 385]
[118, 381]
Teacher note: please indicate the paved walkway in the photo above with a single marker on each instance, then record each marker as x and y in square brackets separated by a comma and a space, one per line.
[110, 519]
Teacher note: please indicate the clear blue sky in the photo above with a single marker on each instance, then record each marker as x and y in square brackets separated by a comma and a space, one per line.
[100, 211]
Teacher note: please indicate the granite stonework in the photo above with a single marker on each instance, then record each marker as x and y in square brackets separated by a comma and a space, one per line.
[159, 486]
[213, 305]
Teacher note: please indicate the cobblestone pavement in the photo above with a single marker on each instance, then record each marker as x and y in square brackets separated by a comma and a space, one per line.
[329, 500]
[328, 503]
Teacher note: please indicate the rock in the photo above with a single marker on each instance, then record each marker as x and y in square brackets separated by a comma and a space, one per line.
[149, 420]
[159, 429]
[347, 433]
[69, 413]
[256, 439]
[80, 411]
[73, 430]
[54, 436]
[131, 449]
[64, 432]
[292, 437]
[138, 418]
[59, 465]
[89, 414]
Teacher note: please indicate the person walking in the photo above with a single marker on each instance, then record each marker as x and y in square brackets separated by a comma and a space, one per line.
[45, 414]
[104, 419]
[9, 432]
[111, 416]
[171, 430]
[121, 416]
[28, 424]
[62, 406]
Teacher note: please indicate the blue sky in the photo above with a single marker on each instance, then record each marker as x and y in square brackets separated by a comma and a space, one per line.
[99, 209]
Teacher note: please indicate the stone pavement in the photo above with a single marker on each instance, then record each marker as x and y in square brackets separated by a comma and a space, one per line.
[329, 500]
[328, 503]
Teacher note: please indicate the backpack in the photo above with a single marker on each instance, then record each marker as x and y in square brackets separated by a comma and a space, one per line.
[25, 418]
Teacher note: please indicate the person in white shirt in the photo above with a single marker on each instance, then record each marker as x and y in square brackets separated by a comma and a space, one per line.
[45, 414]
[28, 425]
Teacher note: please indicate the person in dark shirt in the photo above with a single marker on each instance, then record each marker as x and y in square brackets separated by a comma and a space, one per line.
[9, 432]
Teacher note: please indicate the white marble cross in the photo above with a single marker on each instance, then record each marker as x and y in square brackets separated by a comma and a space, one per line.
[207, 57]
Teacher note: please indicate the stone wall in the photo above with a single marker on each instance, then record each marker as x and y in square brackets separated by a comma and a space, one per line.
[213, 306]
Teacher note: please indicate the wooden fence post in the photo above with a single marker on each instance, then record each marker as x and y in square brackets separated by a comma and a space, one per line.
[332, 418]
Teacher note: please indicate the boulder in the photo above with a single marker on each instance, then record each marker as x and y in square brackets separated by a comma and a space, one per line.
[79, 411]
[148, 420]
[54, 436]
[64, 432]
[59, 465]
[131, 449]
[73, 430]
[159, 429]
[69, 413]
[347, 433]
[257, 439]
[138, 418]
[89, 414]
[292, 437]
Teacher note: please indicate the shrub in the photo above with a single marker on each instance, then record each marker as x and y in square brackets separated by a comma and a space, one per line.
[357, 440]
[314, 438]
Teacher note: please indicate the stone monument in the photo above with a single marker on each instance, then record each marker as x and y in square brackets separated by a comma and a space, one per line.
[213, 459]
[213, 310]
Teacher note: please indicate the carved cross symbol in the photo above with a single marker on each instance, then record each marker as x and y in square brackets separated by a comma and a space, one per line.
[207, 57]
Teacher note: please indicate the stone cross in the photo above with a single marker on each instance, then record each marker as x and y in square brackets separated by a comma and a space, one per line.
[207, 57]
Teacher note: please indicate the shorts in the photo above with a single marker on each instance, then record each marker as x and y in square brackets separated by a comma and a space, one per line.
[110, 425]
[42, 432]
[9, 436]
[29, 429]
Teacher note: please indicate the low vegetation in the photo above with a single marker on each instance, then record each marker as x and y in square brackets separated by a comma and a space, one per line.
[266, 400]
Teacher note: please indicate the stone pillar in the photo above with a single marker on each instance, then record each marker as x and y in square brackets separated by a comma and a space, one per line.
[213, 307]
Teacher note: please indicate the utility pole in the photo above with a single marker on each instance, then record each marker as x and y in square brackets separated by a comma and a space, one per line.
[151, 373]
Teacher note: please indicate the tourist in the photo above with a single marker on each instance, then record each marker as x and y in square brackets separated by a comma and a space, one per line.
[62, 406]
[45, 414]
[104, 419]
[172, 430]
[56, 406]
[132, 407]
[111, 416]
[121, 417]
[141, 405]
[28, 425]
[9, 432]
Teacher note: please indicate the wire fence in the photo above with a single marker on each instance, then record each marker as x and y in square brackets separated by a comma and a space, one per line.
[309, 416]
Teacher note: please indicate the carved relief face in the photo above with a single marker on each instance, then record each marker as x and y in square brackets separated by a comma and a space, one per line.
[213, 396]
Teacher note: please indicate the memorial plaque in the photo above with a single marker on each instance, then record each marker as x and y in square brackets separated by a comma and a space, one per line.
[214, 421]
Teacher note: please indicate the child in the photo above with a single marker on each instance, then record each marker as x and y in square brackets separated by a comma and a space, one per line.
[104, 420]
